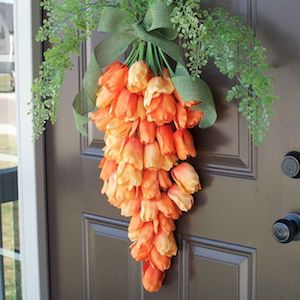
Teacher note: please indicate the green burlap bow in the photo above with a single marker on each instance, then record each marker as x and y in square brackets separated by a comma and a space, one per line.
[156, 28]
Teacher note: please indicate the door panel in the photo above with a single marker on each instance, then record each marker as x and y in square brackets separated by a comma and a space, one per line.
[226, 249]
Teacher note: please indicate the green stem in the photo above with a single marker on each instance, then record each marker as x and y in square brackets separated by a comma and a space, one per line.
[131, 54]
[166, 61]
[158, 59]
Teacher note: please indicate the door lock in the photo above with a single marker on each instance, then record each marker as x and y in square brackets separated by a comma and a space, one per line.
[287, 228]
[291, 164]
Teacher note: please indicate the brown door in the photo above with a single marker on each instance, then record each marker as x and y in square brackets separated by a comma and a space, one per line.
[226, 247]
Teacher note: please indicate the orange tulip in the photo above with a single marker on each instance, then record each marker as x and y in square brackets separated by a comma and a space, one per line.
[119, 107]
[193, 118]
[167, 225]
[152, 156]
[164, 180]
[154, 104]
[108, 166]
[114, 201]
[147, 132]
[167, 207]
[165, 112]
[138, 76]
[186, 178]
[129, 175]
[134, 227]
[101, 118]
[118, 128]
[164, 136]
[181, 116]
[110, 186]
[157, 86]
[132, 153]
[146, 234]
[123, 193]
[150, 185]
[152, 278]
[105, 97]
[130, 207]
[117, 80]
[182, 200]
[168, 161]
[109, 71]
[113, 147]
[186, 104]
[160, 262]
[184, 144]
[140, 252]
[165, 243]
[148, 210]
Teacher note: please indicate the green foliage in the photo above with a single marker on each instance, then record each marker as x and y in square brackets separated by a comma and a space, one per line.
[215, 34]
[66, 26]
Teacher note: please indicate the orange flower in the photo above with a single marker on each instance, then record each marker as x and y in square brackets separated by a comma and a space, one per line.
[113, 147]
[165, 243]
[193, 118]
[147, 132]
[150, 185]
[123, 193]
[157, 86]
[152, 278]
[138, 76]
[129, 175]
[184, 144]
[182, 200]
[118, 127]
[101, 118]
[181, 116]
[105, 97]
[186, 178]
[148, 210]
[119, 107]
[164, 136]
[152, 157]
[110, 186]
[164, 180]
[165, 111]
[140, 252]
[108, 166]
[154, 104]
[132, 153]
[109, 71]
[167, 225]
[167, 207]
[117, 79]
[160, 262]
[129, 207]
[146, 234]
[134, 227]
[186, 104]
[168, 161]
[114, 201]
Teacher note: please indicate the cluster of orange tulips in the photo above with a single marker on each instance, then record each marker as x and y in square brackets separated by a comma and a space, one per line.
[146, 135]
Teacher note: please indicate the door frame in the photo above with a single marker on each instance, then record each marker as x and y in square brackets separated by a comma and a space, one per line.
[31, 166]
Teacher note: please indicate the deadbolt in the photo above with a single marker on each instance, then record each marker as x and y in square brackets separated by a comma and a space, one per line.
[287, 228]
[291, 164]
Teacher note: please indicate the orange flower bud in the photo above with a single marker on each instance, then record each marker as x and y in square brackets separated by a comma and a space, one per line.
[168, 161]
[184, 144]
[181, 116]
[167, 225]
[165, 111]
[158, 261]
[146, 234]
[134, 227]
[101, 118]
[164, 179]
[182, 200]
[148, 210]
[152, 156]
[152, 278]
[147, 132]
[165, 243]
[120, 106]
[132, 153]
[154, 104]
[129, 175]
[157, 86]
[186, 178]
[140, 252]
[123, 193]
[167, 207]
[109, 71]
[118, 128]
[129, 207]
[164, 136]
[114, 201]
[110, 186]
[113, 147]
[150, 185]
[131, 113]
[193, 118]
[138, 76]
[108, 166]
[105, 97]
[117, 80]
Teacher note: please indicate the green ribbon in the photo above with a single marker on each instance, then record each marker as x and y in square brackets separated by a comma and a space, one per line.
[156, 28]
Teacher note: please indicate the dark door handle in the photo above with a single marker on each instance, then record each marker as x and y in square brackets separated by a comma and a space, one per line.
[287, 228]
